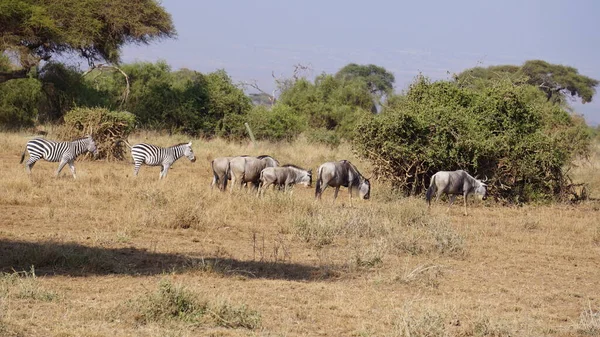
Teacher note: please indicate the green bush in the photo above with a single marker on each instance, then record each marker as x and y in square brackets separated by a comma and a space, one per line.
[278, 123]
[19, 101]
[507, 132]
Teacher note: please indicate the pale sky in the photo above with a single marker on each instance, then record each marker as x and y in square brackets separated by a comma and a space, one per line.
[253, 39]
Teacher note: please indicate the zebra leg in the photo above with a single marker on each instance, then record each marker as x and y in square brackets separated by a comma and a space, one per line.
[164, 171]
[72, 167]
[60, 166]
[136, 168]
[30, 162]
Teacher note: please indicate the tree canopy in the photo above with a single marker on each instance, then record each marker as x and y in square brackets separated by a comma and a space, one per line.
[555, 80]
[36, 30]
[379, 81]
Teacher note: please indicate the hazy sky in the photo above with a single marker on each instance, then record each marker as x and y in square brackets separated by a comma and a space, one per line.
[253, 39]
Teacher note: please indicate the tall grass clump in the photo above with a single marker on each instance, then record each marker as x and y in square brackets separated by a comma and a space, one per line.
[24, 285]
[176, 303]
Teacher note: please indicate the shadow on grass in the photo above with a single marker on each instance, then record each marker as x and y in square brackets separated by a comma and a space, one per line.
[72, 259]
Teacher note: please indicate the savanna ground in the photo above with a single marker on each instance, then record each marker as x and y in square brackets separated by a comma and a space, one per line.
[110, 254]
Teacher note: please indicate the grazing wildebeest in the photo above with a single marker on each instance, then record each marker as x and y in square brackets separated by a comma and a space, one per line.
[454, 183]
[247, 169]
[62, 152]
[286, 176]
[342, 173]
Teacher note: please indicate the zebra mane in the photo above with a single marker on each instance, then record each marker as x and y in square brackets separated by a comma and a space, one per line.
[81, 138]
[264, 156]
[176, 145]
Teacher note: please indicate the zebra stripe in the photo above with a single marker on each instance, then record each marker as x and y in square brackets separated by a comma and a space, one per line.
[52, 151]
[153, 155]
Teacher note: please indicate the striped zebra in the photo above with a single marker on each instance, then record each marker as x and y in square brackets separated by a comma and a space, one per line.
[153, 155]
[52, 151]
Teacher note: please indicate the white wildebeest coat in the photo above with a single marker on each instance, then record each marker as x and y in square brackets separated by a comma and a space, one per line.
[247, 169]
[341, 173]
[286, 175]
[455, 183]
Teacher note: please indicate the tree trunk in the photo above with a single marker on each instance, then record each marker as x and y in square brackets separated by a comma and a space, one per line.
[11, 75]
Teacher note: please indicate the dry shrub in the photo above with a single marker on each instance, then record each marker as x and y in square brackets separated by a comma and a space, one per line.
[589, 322]
[105, 126]
[426, 274]
[24, 285]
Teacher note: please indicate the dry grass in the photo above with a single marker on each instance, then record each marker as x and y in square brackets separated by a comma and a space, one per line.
[123, 256]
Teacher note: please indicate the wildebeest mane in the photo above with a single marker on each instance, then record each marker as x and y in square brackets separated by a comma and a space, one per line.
[294, 166]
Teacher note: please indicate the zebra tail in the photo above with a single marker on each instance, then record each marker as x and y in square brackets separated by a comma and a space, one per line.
[430, 190]
[22, 157]
[123, 141]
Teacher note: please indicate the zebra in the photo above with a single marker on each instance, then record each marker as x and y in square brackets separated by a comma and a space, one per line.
[153, 155]
[52, 151]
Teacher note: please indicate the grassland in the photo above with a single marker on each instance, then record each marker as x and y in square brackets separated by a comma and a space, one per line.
[108, 254]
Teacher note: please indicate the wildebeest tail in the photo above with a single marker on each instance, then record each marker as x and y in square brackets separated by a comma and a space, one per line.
[318, 183]
[430, 190]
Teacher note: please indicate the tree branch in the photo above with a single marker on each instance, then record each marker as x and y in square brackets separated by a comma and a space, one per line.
[11, 75]
[101, 67]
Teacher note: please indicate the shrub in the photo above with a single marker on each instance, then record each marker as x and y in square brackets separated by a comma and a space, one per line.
[507, 132]
[278, 123]
[106, 127]
[19, 100]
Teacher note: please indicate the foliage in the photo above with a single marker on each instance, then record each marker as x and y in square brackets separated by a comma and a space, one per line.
[555, 80]
[92, 29]
[64, 89]
[105, 126]
[227, 104]
[379, 81]
[505, 131]
[19, 102]
[278, 123]
[162, 99]
[329, 103]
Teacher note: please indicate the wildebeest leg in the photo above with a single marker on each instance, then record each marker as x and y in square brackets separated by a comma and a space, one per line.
[465, 202]
[335, 193]
[350, 194]
[452, 197]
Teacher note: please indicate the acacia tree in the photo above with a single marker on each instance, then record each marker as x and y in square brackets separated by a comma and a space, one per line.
[379, 81]
[555, 80]
[32, 31]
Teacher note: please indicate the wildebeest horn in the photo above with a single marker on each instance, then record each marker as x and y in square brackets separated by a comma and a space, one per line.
[484, 180]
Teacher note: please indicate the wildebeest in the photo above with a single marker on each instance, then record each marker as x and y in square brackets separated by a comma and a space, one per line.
[247, 169]
[220, 167]
[286, 176]
[454, 183]
[341, 173]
